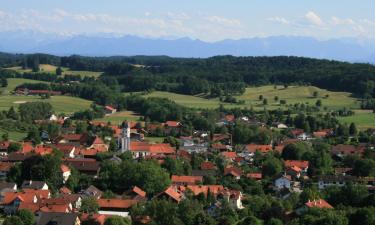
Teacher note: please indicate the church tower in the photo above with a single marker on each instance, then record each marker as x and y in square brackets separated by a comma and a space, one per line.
[123, 141]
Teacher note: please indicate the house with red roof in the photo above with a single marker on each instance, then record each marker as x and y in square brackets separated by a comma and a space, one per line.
[69, 150]
[230, 156]
[5, 168]
[144, 149]
[66, 172]
[252, 148]
[11, 201]
[171, 193]
[4, 145]
[316, 203]
[233, 171]
[109, 110]
[255, 176]
[342, 150]
[115, 206]
[186, 180]
[296, 167]
[208, 166]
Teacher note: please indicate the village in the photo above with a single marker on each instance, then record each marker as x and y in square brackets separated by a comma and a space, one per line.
[211, 157]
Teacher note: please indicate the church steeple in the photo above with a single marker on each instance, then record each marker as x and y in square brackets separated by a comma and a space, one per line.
[124, 139]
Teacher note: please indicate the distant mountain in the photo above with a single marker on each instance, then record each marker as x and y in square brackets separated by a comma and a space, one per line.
[348, 49]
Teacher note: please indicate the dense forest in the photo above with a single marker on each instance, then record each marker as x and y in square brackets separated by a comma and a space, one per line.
[215, 76]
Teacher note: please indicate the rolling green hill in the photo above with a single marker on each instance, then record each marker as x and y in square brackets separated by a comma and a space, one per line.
[292, 95]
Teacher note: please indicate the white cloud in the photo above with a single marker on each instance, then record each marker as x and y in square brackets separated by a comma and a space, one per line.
[314, 19]
[224, 21]
[339, 21]
[281, 20]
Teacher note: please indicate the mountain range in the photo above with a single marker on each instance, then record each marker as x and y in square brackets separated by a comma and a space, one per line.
[345, 49]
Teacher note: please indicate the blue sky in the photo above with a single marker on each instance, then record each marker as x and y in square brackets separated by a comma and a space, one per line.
[209, 20]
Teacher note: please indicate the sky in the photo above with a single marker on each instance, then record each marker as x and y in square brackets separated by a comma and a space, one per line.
[208, 20]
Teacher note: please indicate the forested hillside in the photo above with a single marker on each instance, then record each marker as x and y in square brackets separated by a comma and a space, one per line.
[216, 76]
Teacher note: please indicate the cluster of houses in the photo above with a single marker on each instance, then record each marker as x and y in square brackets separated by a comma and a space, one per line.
[80, 151]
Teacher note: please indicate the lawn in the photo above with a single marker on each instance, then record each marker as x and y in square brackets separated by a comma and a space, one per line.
[363, 119]
[292, 95]
[13, 135]
[82, 73]
[120, 117]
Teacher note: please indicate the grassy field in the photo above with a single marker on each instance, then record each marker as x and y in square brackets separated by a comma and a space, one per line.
[120, 117]
[14, 136]
[363, 119]
[61, 104]
[292, 95]
[14, 82]
[52, 69]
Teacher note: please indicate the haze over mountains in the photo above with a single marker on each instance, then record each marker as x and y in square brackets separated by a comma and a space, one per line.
[350, 49]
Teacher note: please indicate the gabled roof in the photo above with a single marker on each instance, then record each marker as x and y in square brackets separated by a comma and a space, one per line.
[47, 218]
[297, 163]
[208, 166]
[320, 203]
[252, 148]
[65, 190]
[26, 148]
[186, 179]
[116, 203]
[173, 124]
[4, 145]
[173, 193]
[43, 150]
[151, 148]
[9, 197]
[64, 168]
[347, 150]
[229, 155]
[197, 189]
[5, 166]
[234, 171]
[256, 176]
[139, 191]
[33, 184]
[109, 108]
[97, 141]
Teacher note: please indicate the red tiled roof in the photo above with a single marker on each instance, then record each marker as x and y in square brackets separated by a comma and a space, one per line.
[5, 166]
[347, 149]
[197, 189]
[208, 166]
[9, 197]
[26, 148]
[172, 123]
[262, 148]
[116, 203]
[230, 155]
[4, 145]
[152, 148]
[109, 108]
[98, 141]
[297, 132]
[186, 179]
[297, 163]
[64, 168]
[234, 171]
[219, 146]
[229, 118]
[43, 150]
[174, 193]
[65, 190]
[320, 203]
[139, 191]
[256, 176]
